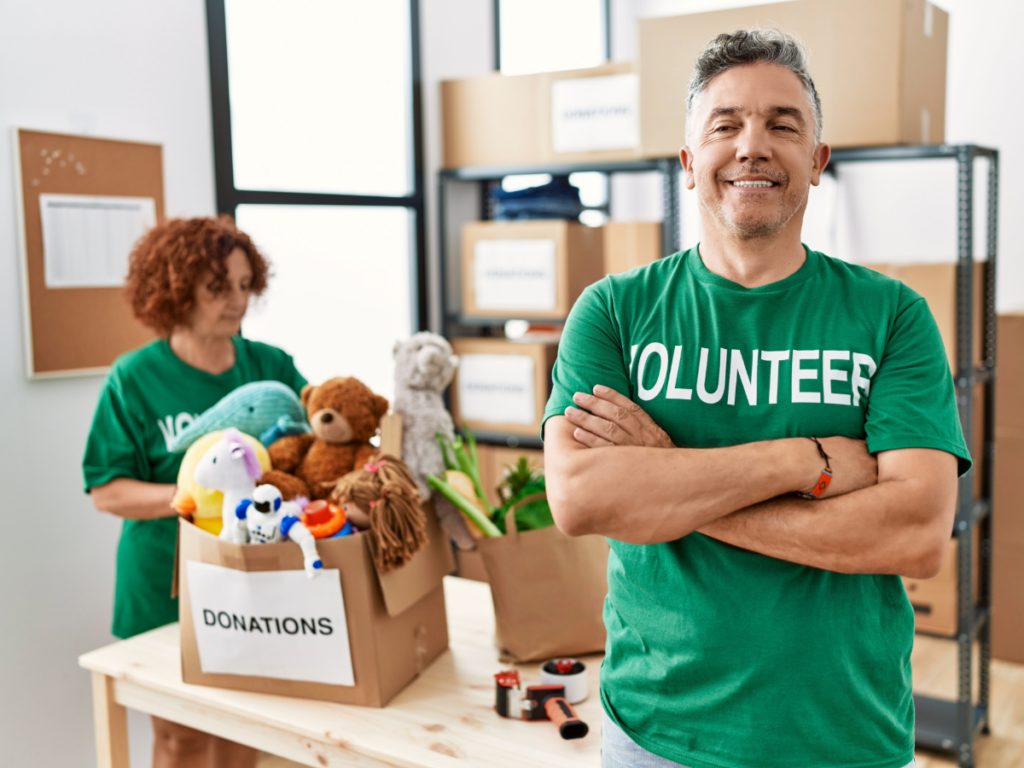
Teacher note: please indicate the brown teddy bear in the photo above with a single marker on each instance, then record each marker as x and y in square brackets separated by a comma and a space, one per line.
[344, 414]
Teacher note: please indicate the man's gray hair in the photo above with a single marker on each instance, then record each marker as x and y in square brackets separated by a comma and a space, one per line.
[750, 46]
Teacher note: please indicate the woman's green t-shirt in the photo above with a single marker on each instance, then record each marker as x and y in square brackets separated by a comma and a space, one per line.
[149, 396]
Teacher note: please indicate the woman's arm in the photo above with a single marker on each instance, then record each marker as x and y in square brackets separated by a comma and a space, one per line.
[134, 499]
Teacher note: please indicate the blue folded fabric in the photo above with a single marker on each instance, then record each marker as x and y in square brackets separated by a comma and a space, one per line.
[556, 200]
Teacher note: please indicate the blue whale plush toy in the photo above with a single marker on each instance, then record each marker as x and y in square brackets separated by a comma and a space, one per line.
[267, 410]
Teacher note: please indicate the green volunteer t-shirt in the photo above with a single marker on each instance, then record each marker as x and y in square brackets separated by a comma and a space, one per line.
[719, 657]
[149, 396]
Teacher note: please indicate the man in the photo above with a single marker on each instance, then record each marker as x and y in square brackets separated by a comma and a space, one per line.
[749, 627]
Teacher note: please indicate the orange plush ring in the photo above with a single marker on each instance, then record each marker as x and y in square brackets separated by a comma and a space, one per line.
[323, 519]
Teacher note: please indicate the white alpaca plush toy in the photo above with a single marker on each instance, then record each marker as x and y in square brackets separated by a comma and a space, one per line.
[424, 367]
[231, 467]
[266, 519]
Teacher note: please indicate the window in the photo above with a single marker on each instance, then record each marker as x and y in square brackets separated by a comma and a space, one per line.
[545, 36]
[318, 155]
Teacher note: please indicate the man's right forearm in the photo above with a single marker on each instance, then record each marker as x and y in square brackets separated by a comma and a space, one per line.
[652, 495]
[134, 499]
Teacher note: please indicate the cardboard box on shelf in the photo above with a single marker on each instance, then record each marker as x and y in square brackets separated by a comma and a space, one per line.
[530, 269]
[879, 67]
[502, 386]
[1008, 494]
[630, 244]
[935, 600]
[252, 621]
[937, 284]
[575, 116]
[1008, 601]
[1010, 377]
[491, 120]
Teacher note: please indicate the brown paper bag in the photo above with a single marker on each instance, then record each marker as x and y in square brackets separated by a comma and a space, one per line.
[548, 591]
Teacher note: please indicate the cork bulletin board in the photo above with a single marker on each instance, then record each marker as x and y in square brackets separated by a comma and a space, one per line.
[86, 193]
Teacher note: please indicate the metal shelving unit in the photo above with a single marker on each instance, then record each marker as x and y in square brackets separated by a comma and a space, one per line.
[944, 725]
[951, 726]
[474, 185]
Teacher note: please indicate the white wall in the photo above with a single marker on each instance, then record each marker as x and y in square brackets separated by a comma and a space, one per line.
[125, 69]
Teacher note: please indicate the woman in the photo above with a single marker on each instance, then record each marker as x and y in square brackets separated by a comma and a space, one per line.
[190, 280]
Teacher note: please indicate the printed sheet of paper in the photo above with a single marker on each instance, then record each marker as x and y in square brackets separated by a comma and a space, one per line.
[270, 624]
[517, 275]
[86, 239]
[595, 113]
[497, 388]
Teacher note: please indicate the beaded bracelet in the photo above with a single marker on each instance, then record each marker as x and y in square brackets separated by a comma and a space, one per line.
[826, 475]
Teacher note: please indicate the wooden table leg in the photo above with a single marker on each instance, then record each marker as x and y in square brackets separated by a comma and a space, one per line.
[111, 724]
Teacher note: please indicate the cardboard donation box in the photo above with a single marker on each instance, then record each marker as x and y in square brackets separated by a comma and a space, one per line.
[630, 244]
[502, 386]
[529, 269]
[251, 620]
[548, 591]
[935, 600]
[879, 67]
[575, 116]
[937, 284]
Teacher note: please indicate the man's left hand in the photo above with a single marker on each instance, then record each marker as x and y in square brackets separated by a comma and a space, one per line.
[613, 419]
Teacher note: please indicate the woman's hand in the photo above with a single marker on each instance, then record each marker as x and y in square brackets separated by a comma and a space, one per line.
[613, 419]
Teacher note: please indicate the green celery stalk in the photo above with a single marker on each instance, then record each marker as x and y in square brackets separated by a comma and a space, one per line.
[481, 521]
[449, 462]
[472, 468]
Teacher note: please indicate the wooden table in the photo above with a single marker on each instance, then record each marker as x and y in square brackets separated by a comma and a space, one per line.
[448, 712]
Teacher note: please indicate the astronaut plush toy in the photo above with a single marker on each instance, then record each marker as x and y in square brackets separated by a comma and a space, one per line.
[266, 519]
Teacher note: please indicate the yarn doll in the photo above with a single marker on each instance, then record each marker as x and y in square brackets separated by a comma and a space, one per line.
[386, 492]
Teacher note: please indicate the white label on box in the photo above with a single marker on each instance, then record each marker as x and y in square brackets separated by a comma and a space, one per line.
[594, 113]
[497, 388]
[515, 275]
[270, 624]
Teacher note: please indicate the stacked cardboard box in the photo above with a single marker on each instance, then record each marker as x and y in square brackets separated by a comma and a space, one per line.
[578, 116]
[879, 67]
[538, 268]
[935, 600]
[895, 94]
[628, 245]
[502, 386]
[534, 269]
[1008, 496]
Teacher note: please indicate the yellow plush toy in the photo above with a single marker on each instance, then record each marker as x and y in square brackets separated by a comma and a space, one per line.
[193, 499]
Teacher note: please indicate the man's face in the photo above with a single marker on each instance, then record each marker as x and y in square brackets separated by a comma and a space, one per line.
[753, 155]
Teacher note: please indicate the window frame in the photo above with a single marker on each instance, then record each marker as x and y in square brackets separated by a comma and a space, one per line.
[228, 197]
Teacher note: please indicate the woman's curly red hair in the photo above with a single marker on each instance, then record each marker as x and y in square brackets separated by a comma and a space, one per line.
[166, 264]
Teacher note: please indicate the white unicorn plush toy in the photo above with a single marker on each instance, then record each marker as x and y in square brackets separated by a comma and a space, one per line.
[231, 467]
[266, 519]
